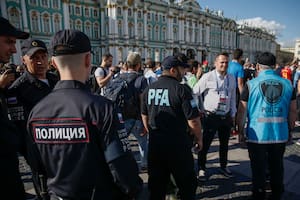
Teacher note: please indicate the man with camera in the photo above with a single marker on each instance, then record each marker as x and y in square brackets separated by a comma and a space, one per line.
[10, 177]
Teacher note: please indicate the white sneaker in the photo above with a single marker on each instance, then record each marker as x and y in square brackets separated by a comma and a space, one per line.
[202, 175]
[298, 142]
[297, 123]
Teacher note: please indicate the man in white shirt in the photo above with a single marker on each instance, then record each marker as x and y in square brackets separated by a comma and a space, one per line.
[218, 90]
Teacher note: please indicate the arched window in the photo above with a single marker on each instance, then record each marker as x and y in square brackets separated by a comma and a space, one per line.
[175, 34]
[56, 22]
[131, 30]
[119, 11]
[95, 13]
[139, 14]
[78, 25]
[88, 29]
[87, 12]
[156, 34]
[77, 10]
[14, 17]
[71, 24]
[163, 34]
[46, 23]
[120, 29]
[140, 31]
[149, 32]
[129, 13]
[96, 30]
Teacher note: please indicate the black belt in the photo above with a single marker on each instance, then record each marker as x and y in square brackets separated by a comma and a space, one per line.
[213, 114]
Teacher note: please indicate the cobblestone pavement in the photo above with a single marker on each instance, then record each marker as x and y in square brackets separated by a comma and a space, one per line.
[217, 187]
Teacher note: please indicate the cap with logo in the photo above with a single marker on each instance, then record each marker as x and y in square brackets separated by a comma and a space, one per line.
[133, 58]
[31, 46]
[66, 42]
[8, 29]
[173, 61]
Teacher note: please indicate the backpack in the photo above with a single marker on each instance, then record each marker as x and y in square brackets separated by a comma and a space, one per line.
[92, 82]
[122, 93]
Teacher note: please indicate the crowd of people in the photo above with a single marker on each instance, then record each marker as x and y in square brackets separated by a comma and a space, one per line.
[71, 122]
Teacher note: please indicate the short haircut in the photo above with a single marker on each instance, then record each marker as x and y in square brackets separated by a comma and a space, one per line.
[222, 54]
[106, 56]
[267, 58]
[237, 54]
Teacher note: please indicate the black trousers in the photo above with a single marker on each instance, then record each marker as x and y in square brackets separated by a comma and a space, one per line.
[211, 124]
[261, 157]
[164, 161]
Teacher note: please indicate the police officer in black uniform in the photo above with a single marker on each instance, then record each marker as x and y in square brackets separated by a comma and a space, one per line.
[77, 136]
[168, 109]
[11, 186]
[27, 90]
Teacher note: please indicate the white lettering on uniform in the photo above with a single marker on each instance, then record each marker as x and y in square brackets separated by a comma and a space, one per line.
[160, 97]
[64, 133]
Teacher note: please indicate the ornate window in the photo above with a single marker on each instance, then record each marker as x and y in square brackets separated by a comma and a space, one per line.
[140, 31]
[131, 30]
[95, 13]
[96, 30]
[77, 10]
[88, 29]
[156, 17]
[78, 25]
[55, 4]
[149, 16]
[139, 14]
[71, 24]
[164, 18]
[119, 11]
[175, 34]
[156, 34]
[149, 32]
[120, 28]
[56, 23]
[163, 34]
[14, 17]
[87, 12]
[45, 3]
[33, 2]
[34, 21]
[129, 12]
[46, 23]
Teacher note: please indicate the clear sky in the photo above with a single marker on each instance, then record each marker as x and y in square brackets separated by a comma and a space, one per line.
[283, 16]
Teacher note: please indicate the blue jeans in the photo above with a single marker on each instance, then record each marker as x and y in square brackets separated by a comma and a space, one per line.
[135, 127]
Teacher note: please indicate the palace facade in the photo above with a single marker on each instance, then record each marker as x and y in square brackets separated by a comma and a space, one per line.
[153, 28]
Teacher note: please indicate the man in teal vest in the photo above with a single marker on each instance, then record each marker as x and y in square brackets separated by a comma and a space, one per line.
[269, 103]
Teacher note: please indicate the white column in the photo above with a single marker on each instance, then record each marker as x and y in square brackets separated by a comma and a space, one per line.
[200, 34]
[24, 16]
[3, 9]
[135, 23]
[145, 53]
[181, 28]
[207, 34]
[193, 32]
[102, 24]
[170, 29]
[125, 11]
[145, 27]
[66, 15]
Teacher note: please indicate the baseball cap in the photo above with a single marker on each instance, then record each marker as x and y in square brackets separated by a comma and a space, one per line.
[8, 29]
[30, 46]
[173, 61]
[67, 42]
[205, 62]
[133, 58]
